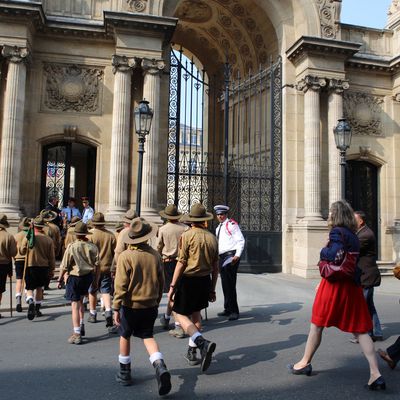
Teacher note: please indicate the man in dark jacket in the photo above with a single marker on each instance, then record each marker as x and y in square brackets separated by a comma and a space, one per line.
[370, 275]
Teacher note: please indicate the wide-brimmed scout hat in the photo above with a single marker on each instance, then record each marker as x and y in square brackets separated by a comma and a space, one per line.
[24, 223]
[3, 221]
[39, 222]
[119, 226]
[139, 231]
[48, 215]
[129, 216]
[198, 213]
[81, 229]
[74, 221]
[98, 219]
[170, 212]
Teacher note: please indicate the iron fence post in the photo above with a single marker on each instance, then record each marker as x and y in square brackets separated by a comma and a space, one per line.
[142, 140]
[226, 130]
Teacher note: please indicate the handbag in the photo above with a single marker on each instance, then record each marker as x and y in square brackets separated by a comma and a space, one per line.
[336, 271]
[396, 271]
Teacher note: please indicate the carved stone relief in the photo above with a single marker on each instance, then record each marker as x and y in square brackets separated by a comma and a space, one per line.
[364, 113]
[329, 14]
[71, 88]
[137, 5]
[196, 12]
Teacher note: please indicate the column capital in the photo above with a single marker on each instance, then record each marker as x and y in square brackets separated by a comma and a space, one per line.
[15, 54]
[338, 86]
[152, 66]
[396, 97]
[123, 63]
[310, 82]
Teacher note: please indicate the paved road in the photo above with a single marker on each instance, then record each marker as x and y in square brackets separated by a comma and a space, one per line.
[36, 361]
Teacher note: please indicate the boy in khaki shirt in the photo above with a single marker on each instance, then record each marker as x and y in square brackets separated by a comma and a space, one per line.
[80, 265]
[138, 291]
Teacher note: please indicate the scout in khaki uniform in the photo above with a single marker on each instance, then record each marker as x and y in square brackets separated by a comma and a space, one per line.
[40, 266]
[121, 246]
[8, 250]
[70, 236]
[105, 242]
[79, 268]
[118, 228]
[19, 260]
[168, 246]
[192, 286]
[51, 229]
[139, 284]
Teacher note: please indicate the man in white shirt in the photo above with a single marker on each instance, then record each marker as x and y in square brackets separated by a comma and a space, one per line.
[87, 210]
[230, 248]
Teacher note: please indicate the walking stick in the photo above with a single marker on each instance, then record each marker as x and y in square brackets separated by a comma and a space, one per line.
[11, 297]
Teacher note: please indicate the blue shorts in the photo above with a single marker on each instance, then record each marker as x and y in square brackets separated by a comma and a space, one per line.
[138, 322]
[77, 287]
[106, 285]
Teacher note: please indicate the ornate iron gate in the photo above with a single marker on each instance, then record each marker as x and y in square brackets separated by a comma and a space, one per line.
[224, 146]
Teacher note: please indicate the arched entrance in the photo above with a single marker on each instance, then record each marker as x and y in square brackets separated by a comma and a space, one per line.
[225, 121]
[362, 190]
[68, 170]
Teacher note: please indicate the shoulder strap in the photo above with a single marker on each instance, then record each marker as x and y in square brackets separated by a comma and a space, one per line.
[227, 227]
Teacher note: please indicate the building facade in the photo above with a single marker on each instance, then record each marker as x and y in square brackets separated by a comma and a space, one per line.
[274, 77]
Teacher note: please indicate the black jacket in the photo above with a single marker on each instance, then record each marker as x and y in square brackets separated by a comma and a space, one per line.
[370, 275]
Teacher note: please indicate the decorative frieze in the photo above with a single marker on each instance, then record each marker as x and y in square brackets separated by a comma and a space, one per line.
[329, 14]
[72, 88]
[137, 5]
[364, 113]
[311, 83]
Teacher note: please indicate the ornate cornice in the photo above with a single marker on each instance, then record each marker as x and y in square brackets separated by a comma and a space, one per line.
[310, 82]
[152, 66]
[15, 54]
[123, 63]
[338, 85]
[307, 45]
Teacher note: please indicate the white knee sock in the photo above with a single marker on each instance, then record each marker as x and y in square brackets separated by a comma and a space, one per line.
[156, 356]
[124, 359]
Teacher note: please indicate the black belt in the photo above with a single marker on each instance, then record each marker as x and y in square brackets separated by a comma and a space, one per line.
[227, 254]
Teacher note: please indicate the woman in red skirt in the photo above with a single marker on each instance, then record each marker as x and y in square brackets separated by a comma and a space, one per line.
[341, 303]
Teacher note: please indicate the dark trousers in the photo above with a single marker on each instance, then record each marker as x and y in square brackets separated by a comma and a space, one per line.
[228, 275]
[394, 351]
[369, 297]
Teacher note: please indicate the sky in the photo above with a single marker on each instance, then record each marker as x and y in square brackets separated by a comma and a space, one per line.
[370, 13]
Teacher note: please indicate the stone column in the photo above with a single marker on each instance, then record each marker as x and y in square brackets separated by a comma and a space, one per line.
[335, 111]
[311, 86]
[152, 70]
[121, 132]
[12, 130]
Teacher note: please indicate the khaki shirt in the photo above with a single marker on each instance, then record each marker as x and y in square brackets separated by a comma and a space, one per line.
[69, 237]
[168, 239]
[139, 280]
[42, 253]
[105, 242]
[121, 246]
[80, 258]
[8, 247]
[53, 232]
[198, 251]
[19, 237]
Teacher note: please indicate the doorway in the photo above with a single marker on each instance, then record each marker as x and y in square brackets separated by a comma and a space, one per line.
[68, 170]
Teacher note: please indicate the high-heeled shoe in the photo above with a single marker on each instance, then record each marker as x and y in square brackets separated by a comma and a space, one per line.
[307, 370]
[378, 384]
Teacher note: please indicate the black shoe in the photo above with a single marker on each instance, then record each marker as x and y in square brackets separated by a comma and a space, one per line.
[378, 384]
[163, 377]
[113, 330]
[18, 308]
[207, 348]
[38, 313]
[82, 327]
[233, 317]
[224, 314]
[191, 356]
[307, 370]
[92, 318]
[31, 311]
[109, 319]
[124, 376]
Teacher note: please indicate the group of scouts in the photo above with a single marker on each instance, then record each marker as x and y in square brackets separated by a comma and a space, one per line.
[185, 265]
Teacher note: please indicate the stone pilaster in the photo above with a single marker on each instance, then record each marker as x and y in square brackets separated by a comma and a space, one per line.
[120, 135]
[311, 86]
[335, 111]
[12, 130]
[152, 70]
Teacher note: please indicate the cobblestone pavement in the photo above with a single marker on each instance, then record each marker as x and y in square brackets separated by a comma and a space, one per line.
[250, 361]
